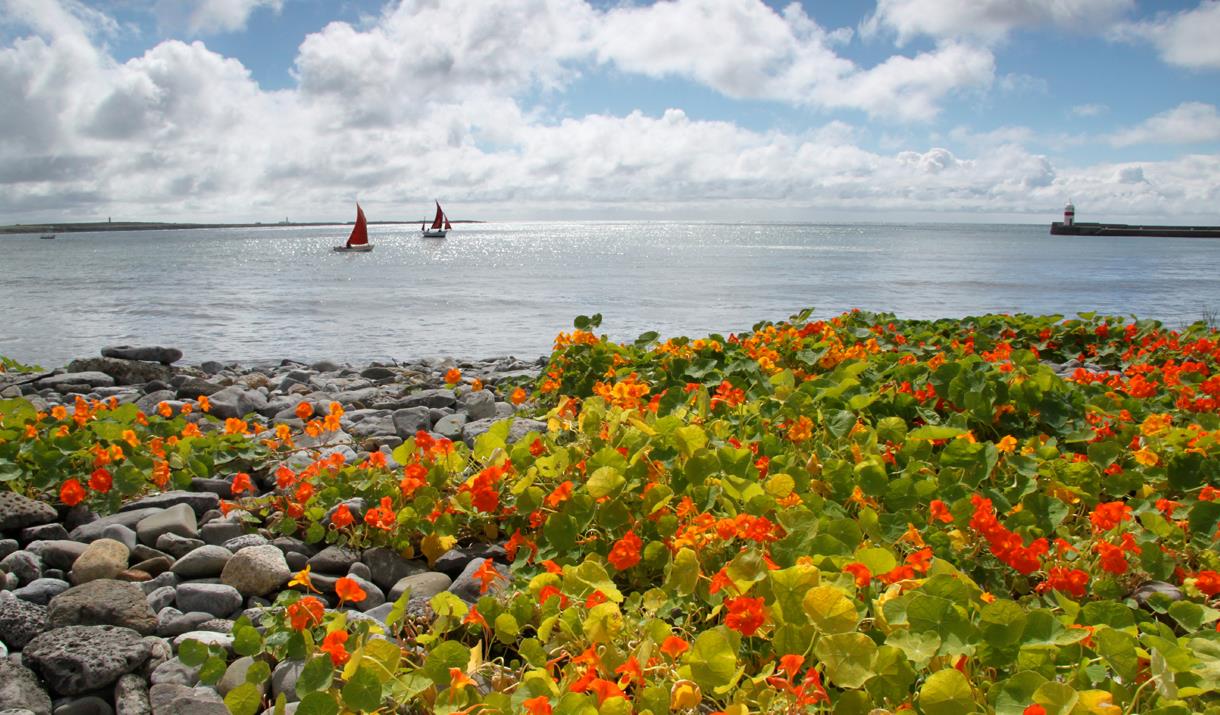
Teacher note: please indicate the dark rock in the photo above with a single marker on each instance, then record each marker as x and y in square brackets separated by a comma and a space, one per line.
[388, 567]
[42, 590]
[174, 699]
[219, 531]
[43, 532]
[454, 561]
[450, 426]
[1158, 590]
[19, 688]
[154, 566]
[479, 405]
[26, 566]
[177, 546]
[77, 659]
[18, 511]
[192, 387]
[123, 534]
[162, 579]
[333, 560]
[324, 366]
[236, 402]
[73, 381]
[172, 623]
[20, 620]
[217, 599]
[93, 530]
[160, 599]
[124, 372]
[151, 353]
[441, 397]
[175, 671]
[178, 519]
[410, 420]
[103, 602]
[245, 541]
[200, 502]
[211, 367]
[59, 554]
[421, 585]
[290, 545]
[284, 679]
[85, 705]
[8, 546]
[221, 488]
[154, 397]
[377, 372]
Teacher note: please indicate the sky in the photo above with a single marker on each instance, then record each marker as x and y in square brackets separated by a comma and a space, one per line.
[718, 110]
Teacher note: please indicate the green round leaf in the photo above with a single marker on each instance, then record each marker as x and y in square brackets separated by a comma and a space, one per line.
[321, 703]
[244, 699]
[316, 675]
[946, 692]
[363, 691]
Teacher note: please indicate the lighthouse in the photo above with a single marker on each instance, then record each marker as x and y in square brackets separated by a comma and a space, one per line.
[1069, 214]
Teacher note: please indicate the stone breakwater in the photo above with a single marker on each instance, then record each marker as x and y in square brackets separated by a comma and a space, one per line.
[94, 608]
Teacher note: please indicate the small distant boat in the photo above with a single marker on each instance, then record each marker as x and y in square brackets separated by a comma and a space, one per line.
[47, 235]
[358, 242]
[439, 226]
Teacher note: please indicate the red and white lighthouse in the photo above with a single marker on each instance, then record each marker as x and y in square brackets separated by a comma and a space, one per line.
[1069, 214]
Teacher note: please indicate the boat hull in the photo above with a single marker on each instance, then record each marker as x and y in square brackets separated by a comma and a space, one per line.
[366, 248]
[49, 236]
[434, 233]
[1058, 228]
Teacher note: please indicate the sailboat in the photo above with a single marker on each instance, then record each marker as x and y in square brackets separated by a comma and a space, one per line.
[358, 242]
[439, 226]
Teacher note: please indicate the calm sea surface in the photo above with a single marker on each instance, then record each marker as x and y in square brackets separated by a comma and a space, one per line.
[497, 289]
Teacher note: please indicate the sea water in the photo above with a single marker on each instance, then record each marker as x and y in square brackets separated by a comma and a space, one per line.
[507, 288]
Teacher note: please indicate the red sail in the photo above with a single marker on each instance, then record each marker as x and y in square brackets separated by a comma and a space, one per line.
[439, 221]
[447, 226]
[360, 234]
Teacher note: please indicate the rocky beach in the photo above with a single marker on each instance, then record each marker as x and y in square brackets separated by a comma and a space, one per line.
[94, 609]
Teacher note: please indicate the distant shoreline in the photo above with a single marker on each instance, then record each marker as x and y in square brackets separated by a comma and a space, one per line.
[159, 226]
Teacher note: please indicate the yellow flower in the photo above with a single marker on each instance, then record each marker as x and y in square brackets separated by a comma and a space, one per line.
[1007, 444]
[1146, 457]
[1156, 424]
[301, 578]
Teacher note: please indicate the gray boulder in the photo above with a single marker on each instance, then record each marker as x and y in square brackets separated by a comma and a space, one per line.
[26, 566]
[192, 387]
[174, 699]
[93, 530]
[333, 560]
[103, 602]
[388, 567]
[150, 353]
[20, 620]
[479, 405]
[42, 590]
[441, 397]
[410, 420]
[421, 585]
[131, 696]
[217, 599]
[58, 554]
[205, 561]
[237, 402]
[91, 379]
[178, 519]
[124, 372]
[18, 511]
[200, 502]
[256, 570]
[77, 659]
[19, 688]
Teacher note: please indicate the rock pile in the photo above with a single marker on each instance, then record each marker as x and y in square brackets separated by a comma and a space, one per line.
[92, 610]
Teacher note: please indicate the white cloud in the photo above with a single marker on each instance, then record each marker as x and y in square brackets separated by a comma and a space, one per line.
[185, 133]
[1185, 39]
[1187, 123]
[203, 17]
[989, 20]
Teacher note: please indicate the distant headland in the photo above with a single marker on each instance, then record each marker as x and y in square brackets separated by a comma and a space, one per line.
[50, 228]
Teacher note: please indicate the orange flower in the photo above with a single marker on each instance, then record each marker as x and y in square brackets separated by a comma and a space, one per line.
[477, 385]
[72, 493]
[746, 614]
[100, 481]
[342, 518]
[204, 403]
[191, 430]
[129, 436]
[305, 613]
[940, 511]
[1107, 515]
[1208, 582]
[1034, 709]
[860, 572]
[348, 590]
[1007, 443]
[235, 426]
[626, 552]
[518, 396]
[241, 483]
[487, 574]
[165, 410]
[453, 376]
[382, 517]
[458, 679]
[304, 411]
[473, 616]
[540, 705]
[333, 644]
[674, 646]
[630, 672]
[559, 495]
[791, 664]
[59, 412]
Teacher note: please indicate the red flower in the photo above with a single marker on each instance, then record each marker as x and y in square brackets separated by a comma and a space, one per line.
[674, 646]
[100, 481]
[305, 613]
[551, 591]
[1108, 515]
[561, 494]
[1208, 582]
[487, 574]
[540, 705]
[1034, 709]
[746, 614]
[342, 518]
[859, 572]
[333, 645]
[72, 493]
[1069, 581]
[349, 590]
[940, 511]
[241, 483]
[1113, 558]
[537, 448]
[626, 552]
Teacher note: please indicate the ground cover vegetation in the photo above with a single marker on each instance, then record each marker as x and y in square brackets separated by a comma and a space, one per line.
[853, 515]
